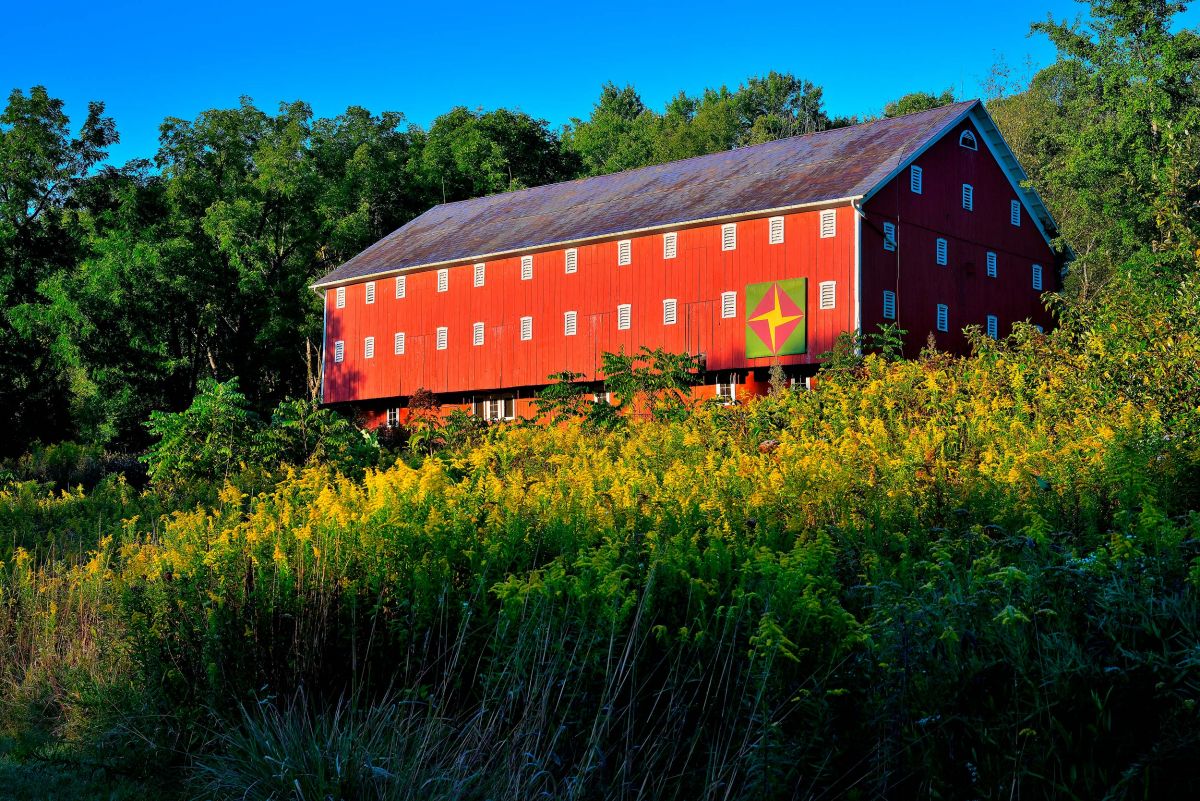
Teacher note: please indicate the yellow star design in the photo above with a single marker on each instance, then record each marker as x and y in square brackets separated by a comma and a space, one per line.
[775, 318]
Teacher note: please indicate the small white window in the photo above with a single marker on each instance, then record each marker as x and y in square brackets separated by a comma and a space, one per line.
[369, 348]
[527, 268]
[967, 140]
[889, 304]
[441, 338]
[730, 236]
[1037, 277]
[602, 397]
[399, 344]
[370, 292]
[401, 286]
[623, 316]
[526, 328]
[991, 265]
[775, 231]
[669, 245]
[943, 317]
[727, 390]
[993, 326]
[828, 223]
[572, 260]
[669, 308]
[624, 252]
[941, 251]
[480, 270]
[1014, 212]
[443, 280]
[915, 177]
[828, 294]
[968, 198]
[569, 324]
[339, 351]
[393, 416]
[889, 236]
[728, 304]
[341, 297]
[477, 334]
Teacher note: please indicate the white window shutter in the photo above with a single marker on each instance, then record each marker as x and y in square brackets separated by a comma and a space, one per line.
[669, 245]
[828, 294]
[369, 348]
[624, 316]
[968, 197]
[991, 265]
[1037, 277]
[526, 328]
[399, 343]
[339, 351]
[828, 223]
[728, 304]
[480, 270]
[370, 292]
[943, 317]
[729, 236]
[775, 231]
[1014, 212]
[669, 311]
[401, 286]
[889, 236]
[624, 252]
[443, 280]
[477, 334]
[527, 268]
[441, 338]
[916, 177]
[942, 249]
[341, 297]
[569, 324]
[571, 261]
[993, 326]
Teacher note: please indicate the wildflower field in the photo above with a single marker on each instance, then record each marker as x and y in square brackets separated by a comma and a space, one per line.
[945, 577]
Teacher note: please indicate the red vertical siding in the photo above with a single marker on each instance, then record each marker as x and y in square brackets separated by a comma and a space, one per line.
[696, 278]
[963, 285]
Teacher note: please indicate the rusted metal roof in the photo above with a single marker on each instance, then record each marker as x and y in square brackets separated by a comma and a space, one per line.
[831, 165]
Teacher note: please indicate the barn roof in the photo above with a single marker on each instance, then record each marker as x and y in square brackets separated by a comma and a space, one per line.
[838, 164]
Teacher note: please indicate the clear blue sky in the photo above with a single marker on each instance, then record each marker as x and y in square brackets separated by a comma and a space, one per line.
[549, 60]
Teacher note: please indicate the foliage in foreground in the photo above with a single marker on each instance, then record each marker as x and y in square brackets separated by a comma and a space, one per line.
[948, 577]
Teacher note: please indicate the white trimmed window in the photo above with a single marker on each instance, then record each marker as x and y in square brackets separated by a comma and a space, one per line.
[1037, 277]
[669, 311]
[477, 334]
[527, 268]
[441, 338]
[401, 286]
[493, 409]
[915, 177]
[942, 248]
[775, 231]
[991, 265]
[369, 348]
[727, 390]
[341, 297]
[993, 326]
[729, 236]
[480, 273]
[828, 294]
[443, 280]
[339, 351]
[967, 140]
[399, 343]
[571, 261]
[393, 416]
[943, 317]
[624, 252]
[889, 304]
[828, 223]
[889, 236]
[670, 245]
[370, 292]
[968, 197]
[569, 324]
[728, 305]
[1014, 212]
[624, 313]
[526, 328]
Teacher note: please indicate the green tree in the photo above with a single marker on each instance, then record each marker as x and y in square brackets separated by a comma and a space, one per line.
[918, 101]
[206, 442]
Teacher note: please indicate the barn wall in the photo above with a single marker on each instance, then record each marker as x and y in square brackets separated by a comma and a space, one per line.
[696, 278]
[963, 285]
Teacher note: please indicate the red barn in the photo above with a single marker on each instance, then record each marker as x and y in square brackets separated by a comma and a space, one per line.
[750, 257]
